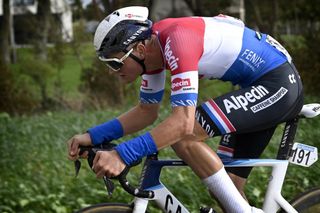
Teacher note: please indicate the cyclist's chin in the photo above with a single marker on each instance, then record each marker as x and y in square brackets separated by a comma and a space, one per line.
[126, 79]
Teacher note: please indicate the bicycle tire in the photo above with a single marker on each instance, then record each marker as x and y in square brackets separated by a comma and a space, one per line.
[307, 202]
[107, 208]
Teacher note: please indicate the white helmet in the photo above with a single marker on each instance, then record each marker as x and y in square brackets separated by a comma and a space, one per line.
[122, 28]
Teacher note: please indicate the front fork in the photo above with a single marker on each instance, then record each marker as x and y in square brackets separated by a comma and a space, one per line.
[140, 205]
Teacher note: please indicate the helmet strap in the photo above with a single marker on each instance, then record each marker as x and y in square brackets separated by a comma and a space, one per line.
[138, 60]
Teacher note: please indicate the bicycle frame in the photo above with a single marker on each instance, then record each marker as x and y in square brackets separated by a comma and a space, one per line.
[273, 198]
[165, 200]
[150, 177]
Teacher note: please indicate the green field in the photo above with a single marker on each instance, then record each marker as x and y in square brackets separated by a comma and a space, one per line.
[36, 175]
[71, 72]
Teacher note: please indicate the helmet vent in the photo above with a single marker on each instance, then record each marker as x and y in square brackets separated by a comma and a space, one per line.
[107, 18]
[116, 13]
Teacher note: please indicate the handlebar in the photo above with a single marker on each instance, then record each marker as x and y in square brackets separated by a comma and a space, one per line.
[122, 177]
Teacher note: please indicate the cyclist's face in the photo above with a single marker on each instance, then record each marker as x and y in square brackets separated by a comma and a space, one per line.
[130, 70]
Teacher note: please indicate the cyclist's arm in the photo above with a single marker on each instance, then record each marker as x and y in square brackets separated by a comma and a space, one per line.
[132, 121]
[177, 126]
[139, 117]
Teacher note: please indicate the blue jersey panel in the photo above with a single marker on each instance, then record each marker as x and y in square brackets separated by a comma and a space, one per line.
[185, 99]
[151, 98]
[256, 58]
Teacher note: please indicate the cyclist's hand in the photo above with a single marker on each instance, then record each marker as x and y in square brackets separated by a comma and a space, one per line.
[108, 163]
[75, 142]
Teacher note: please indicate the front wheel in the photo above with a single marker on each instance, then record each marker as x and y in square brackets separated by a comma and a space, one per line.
[107, 208]
[308, 202]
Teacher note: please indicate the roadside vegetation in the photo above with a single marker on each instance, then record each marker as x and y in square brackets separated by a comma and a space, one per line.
[36, 174]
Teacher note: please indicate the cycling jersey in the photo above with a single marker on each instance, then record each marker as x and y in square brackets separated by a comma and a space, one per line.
[218, 47]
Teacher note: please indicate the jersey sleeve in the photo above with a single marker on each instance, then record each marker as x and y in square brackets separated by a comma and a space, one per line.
[184, 89]
[152, 87]
[182, 51]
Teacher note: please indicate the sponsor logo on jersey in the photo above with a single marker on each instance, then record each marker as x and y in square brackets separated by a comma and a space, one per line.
[242, 101]
[179, 83]
[251, 59]
[203, 120]
[292, 79]
[144, 83]
[226, 139]
[170, 58]
[270, 101]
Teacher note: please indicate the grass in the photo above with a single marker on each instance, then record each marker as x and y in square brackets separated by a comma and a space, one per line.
[71, 72]
[71, 69]
[36, 175]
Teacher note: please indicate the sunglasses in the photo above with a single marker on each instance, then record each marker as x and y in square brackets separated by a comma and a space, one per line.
[114, 63]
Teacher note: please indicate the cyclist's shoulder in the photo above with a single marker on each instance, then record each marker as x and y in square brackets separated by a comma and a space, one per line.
[179, 34]
[171, 26]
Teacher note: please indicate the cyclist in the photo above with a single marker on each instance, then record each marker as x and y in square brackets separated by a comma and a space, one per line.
[193, 48]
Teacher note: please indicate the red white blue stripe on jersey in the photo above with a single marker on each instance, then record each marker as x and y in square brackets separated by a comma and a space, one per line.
[218, 117]
[225, 151]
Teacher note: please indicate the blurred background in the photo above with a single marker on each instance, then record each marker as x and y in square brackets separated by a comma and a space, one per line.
[52, 86]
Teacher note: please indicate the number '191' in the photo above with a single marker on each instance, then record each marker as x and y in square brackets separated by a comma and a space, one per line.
[300, 155]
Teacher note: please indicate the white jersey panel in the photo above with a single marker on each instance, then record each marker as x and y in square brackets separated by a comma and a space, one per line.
[184, 83]
[222, 45]
[184, 89]
[153, 83]
[152, 87]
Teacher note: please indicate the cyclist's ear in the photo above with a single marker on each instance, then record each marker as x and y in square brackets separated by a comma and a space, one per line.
[140, 49]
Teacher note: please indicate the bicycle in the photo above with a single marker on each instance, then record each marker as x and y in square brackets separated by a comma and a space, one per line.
[151, 188]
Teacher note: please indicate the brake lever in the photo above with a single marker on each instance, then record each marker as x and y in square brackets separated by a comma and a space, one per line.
[91, 154]
[77, 166]
[109, 185]
[77, 163]
[107, 182]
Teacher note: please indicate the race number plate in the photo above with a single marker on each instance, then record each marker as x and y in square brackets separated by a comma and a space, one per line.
[303, 155]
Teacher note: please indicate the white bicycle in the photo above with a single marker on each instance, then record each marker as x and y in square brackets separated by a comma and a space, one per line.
[151, 188]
